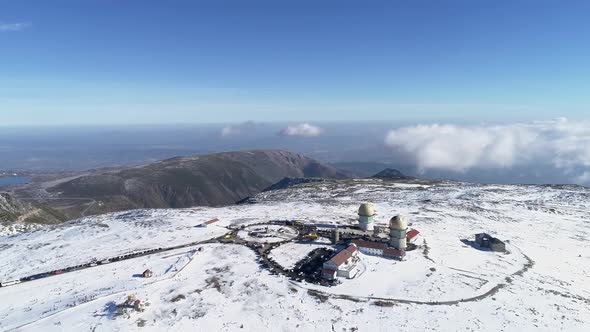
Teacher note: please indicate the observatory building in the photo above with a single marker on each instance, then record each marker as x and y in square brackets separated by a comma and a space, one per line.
[398, 239]
[366, 216]
[398, 229]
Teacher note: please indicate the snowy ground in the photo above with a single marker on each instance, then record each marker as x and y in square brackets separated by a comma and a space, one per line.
[69, 290]
[421, 280]
[222, 288]
[101, 237]
[267, 233]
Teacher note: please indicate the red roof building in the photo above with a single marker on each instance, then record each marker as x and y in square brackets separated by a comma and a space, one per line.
[411, 235]
[369, 244]
[343, 264]
[341, 258]
[209, 222]
[344, 255]
[394, 253]
[378, 249]
[352, 249]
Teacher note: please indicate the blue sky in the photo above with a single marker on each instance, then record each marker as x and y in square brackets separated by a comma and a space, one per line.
[138, 62]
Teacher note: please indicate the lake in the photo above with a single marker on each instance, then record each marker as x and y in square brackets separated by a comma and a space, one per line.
[8, 180]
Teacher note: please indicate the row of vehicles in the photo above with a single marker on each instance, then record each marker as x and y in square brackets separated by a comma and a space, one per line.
[10, 283]
[93, 262]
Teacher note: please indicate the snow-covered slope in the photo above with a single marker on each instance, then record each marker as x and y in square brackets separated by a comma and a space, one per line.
[445, 285]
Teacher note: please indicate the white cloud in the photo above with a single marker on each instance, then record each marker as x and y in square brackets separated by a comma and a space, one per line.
[560, 143]
[302, 129]
[239, 129]
[14, 26]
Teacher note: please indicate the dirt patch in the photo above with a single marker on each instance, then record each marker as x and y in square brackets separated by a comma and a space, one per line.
[349, 298]
[178, 298]
[214, 282]
[566, 295]
[318, 295]
[219, 270]
[384, 303]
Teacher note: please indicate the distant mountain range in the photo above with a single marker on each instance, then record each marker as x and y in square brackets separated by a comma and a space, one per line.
[202, 180]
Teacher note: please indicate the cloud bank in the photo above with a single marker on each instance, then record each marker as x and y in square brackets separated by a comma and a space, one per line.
[239, 129]
[560, 143]
[302, 130]
[14, 26]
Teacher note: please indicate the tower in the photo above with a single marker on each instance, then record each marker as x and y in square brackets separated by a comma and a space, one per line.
[398, 228]
[335, 235]
[366, 216]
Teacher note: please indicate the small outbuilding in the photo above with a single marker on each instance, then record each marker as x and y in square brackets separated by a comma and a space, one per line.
[412, 235]
[485, 240]
[147, 273]
[209, 222]
[138, 306]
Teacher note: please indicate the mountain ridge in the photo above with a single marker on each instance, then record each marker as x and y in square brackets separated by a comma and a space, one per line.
[201, 180]
[13, 209]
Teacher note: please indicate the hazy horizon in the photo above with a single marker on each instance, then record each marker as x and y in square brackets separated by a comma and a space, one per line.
[491, 153]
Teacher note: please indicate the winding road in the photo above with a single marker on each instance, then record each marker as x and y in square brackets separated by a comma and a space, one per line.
[262, 252]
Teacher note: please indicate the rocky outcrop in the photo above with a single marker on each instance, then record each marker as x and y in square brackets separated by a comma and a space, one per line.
[13, 210]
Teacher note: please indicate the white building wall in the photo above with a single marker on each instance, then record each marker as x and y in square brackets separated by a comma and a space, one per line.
[349, 272]
[398, 243]
[366, 223]
[371, 251]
